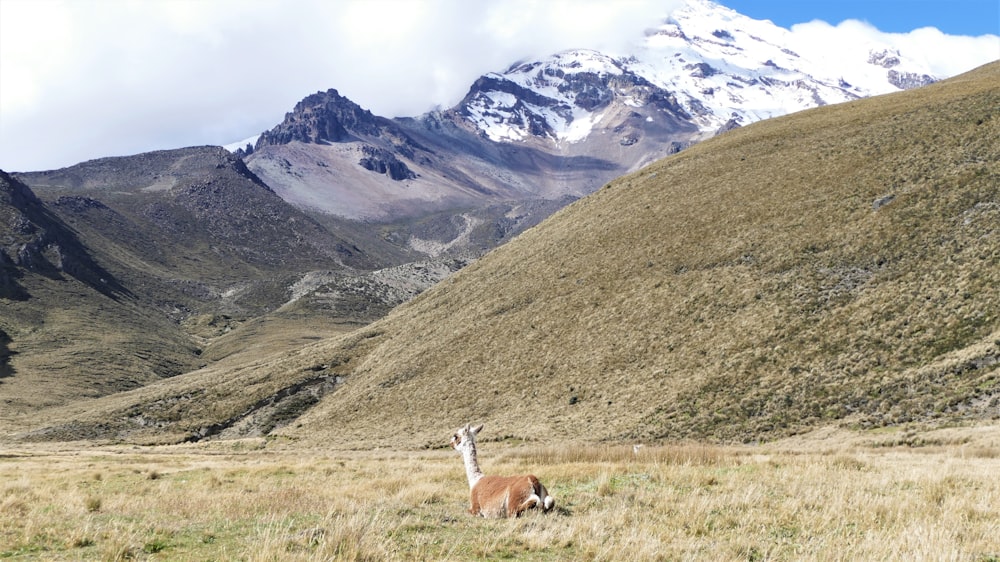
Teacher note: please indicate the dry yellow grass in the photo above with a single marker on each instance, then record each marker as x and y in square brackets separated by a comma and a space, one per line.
[833, 498]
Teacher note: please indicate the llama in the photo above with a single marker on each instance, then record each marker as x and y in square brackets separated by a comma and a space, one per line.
[497, 496]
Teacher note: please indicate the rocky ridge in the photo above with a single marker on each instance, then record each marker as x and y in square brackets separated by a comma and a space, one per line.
[565, 124]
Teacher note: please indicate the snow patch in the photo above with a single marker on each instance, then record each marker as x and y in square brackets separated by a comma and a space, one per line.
[580, 127]
[234, 146]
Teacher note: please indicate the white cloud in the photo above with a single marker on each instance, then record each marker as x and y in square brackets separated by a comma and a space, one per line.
[941, 55]
[81, 80]
[948, 55]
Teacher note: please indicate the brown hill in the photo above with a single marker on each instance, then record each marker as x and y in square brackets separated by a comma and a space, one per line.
[120, 271]
[69, 327]
[836, 266]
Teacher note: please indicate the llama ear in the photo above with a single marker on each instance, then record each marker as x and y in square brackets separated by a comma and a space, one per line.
[476, 430]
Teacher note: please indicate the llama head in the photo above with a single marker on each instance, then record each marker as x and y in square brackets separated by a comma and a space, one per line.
[465, 437]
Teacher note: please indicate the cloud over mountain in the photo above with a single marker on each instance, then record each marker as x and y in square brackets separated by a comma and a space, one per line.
[944, 55]
[84, 80]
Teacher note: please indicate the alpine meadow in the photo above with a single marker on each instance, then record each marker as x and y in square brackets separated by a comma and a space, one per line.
[798, 320]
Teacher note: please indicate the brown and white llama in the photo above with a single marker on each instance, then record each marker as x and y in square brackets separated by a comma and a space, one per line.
[497, 496]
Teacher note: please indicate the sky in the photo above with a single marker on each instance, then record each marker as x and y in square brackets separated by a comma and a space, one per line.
[83, 79]
[954, 17]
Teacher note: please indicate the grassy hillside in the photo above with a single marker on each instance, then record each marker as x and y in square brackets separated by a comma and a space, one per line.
[836, 266]
[121, 271]
[68, 327]
[839, 264]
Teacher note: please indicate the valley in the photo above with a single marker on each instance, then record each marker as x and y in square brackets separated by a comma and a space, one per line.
[626, 246]
[726, 296]
[832, 267]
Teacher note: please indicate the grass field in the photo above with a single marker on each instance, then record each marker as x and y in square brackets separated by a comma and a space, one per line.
[860, 497]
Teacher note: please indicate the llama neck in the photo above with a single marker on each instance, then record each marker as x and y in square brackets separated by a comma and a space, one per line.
[471, 464]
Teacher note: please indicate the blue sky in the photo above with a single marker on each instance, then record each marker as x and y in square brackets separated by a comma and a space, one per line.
[82, 79]
[954, 17]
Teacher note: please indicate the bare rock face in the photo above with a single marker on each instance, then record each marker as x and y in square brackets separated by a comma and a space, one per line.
[486, 100]
[885, 58]
[891, 60]
[5, 340]
[9, 287]
[909, 80]
[324, 117]
[544, 98]
[382, 161]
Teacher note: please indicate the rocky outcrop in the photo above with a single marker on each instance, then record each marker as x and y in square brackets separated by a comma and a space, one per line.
[9, 287]
[5, 353]
[543, 99]
[728, 126]
[704, 70]
[909, 80]
[382, 161]
[487, 99]
[890, 59]
[324, 117]
[885, 58]
[328, 118]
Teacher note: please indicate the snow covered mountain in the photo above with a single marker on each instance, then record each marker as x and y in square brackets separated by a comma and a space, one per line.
[561, 126]
[706, 64]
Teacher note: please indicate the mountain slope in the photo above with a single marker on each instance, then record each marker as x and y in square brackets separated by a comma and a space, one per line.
[36, 240]
[563, 125]
[330, 156]
[121, 271]
[70, 327]
[838, 265]
[187, 199]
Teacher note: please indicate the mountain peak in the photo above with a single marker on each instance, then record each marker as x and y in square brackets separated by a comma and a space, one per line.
[703, 70]
[561, 98]
[321, 118]
[719, 66]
